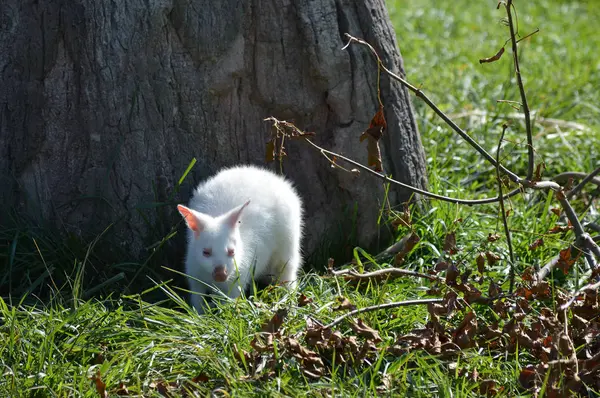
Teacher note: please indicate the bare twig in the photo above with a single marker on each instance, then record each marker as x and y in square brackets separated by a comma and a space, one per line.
[589, 287]
[583, 240]
[524, 104]
[383, 273]
[481, 115]
[503, 211]
[410, 187]
[579, 186]
[400, 246]
[445, 118]
[564, 177]
[546, 269]
[383, 307]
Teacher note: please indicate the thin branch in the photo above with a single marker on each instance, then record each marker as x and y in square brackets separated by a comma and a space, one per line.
[421, 95]
[564, 177]
[546, 269]
[591, 244]
[504, 221]
[408, 241]
[581, 236]
[383, 307]
[481, 115]
[583, 240]
[513, 39]
[410, 187]
[529, 35]
[383, 273]
[579, 186]
[588, 287]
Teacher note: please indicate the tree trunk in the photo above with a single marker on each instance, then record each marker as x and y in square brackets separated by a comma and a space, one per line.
[104, 104]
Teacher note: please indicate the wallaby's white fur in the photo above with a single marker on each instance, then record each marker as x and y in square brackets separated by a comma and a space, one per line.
[244, 222]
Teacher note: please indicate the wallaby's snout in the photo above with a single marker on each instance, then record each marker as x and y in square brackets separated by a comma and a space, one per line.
[220, 273]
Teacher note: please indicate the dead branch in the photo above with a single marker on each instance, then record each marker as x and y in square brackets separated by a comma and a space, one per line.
[526, 113]
[442, 115]
[583, 240]
[403, 245]
[383, 307]
[481, 114]
[351, 275]
[589, 287]
[387, 179]
[503, 211]
[583, 182]
[564, 177]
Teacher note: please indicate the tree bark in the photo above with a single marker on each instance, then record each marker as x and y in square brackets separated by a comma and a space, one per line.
[104, 103]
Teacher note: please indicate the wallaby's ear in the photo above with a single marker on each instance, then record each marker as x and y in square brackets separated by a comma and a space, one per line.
[233, 216]
[191, 219]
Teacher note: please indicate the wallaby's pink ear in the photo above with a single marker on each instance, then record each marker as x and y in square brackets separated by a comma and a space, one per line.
[234, 215]
[191, 219]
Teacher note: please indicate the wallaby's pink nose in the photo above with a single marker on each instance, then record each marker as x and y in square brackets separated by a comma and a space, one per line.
[220, 273]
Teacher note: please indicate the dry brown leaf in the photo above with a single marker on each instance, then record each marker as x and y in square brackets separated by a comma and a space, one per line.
[451, 274]
[450, 243]
[464, 334]
[528, 376]
[100, 385]
[304, 301]
[362, 329]
[489, 388]
[270, 151]
[560, 229]
[273, 325]
[493, 237]
[492, 258]
[372, 135]
[412, 240]
[537, 243]
[345, 304]
[539, 169]
[402, 219]
[122, 390]
[565, 260]
[493, 58]
[556, 211]
[480, 260]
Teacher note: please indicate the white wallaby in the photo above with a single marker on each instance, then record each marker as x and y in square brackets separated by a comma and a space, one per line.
[244, 222]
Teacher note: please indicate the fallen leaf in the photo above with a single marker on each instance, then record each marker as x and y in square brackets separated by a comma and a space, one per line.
[565, 260]
[304, 301]
[451, 274]
[365, 331]
[480, 260]
[122, 390]
[493, 237]
[273, 325]
[345, 304]
[492, 258]
[100, 385]
[537, 243]
[450, 243]
[560, 229]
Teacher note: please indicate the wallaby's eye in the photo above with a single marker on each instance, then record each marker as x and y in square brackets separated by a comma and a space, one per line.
[207, 252]
[230, 252]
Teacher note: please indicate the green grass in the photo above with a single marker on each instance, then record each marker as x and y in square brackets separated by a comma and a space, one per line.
[54, 348]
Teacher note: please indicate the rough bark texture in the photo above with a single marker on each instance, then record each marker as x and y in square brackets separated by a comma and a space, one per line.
[104, 103]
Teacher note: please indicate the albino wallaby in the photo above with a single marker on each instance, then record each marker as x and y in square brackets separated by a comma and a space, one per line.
[243, 222]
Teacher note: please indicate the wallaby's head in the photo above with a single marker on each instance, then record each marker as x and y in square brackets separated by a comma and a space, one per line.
[215, 240]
